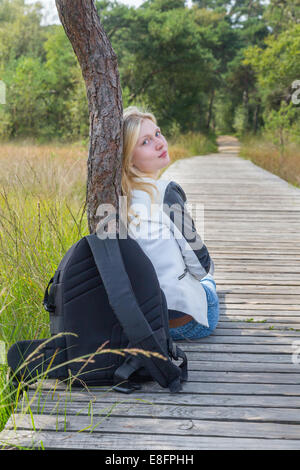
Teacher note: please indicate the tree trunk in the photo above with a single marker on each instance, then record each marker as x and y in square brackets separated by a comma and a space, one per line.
[246, 106]
[210, 108]
[255, 118]
[99, 67]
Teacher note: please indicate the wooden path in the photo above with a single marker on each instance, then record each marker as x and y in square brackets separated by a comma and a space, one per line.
[244, 380]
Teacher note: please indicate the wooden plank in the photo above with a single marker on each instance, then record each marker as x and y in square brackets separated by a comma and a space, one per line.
[285, 331]
[251, 311]
[269, 309]
[237, 377]
[249, 339]
[243, 377]
[152, 397]
[172, 427]
[238, 356]
[255, 243]
[234, 278]
[258, 308]
[256, 257]
[260, 298]
[259, 289]
[224, 214]
[140, 409]
[224, 250]
[253, 367]
[245, 270]
[112, 441]
[254, 349]
[226, 388]
[245, 225]
[266, 326]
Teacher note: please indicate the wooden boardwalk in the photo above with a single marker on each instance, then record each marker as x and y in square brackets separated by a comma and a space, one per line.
[244, 380]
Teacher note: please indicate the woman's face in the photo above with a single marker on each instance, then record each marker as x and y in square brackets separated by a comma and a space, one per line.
[150, 153]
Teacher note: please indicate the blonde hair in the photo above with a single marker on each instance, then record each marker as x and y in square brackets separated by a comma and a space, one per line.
[132, 120]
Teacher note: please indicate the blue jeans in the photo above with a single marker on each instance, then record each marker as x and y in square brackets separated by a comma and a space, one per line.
[193, 329]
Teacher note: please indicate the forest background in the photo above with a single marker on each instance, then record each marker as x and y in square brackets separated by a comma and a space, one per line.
[215, 66]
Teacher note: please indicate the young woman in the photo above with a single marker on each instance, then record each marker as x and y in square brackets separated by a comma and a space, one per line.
[160, 223]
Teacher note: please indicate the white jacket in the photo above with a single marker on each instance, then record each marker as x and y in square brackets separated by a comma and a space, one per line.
[180, 260]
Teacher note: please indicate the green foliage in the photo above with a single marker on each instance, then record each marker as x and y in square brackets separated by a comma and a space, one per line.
[170, 59]
[175, 61]
[27, 96]
[276, 65]
[240, 119]
[20, 31]
[5, 408]
[282, 14]
[67, 103]
[218, 66]
[283, 125]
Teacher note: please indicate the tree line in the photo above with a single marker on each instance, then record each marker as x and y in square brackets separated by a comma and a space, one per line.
[219, 66]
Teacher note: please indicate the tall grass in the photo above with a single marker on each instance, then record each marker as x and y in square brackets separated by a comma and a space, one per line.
[5, 407]
[41, 216]
[284, 163]
[42, 199]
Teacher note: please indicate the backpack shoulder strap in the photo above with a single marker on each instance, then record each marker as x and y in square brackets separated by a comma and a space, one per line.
[109, 261]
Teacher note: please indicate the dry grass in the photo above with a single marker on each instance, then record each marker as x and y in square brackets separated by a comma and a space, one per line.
[265, 154]
[42, 169]
[42, 196]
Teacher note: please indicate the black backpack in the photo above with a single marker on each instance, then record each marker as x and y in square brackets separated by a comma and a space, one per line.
[104, 292]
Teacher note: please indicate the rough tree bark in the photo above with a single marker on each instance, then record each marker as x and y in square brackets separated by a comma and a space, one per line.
[98, 63]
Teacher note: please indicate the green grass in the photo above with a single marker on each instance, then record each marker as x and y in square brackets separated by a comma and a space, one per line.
[5, 408]
[42, 214]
